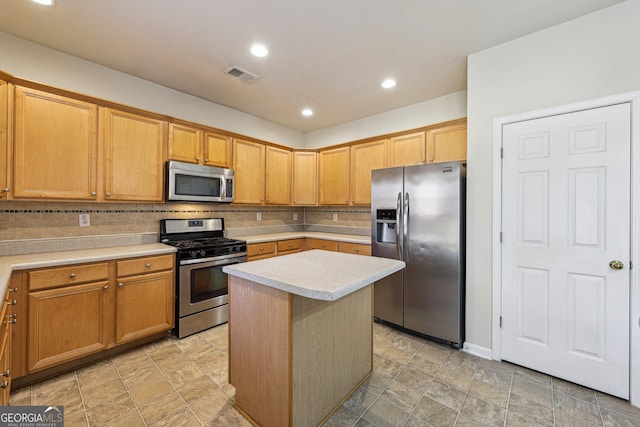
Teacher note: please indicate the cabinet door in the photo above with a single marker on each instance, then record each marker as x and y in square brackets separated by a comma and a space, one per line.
[327, 245]
[67, 323]
[248, 165]
[144, 305]
[447, 144]
[185, 143]
[305, 178]
[261, 250]
[217, 150]
[333, 176]
[4, 142]
[277, 179]
[355, 248]
[55, 146]
[405, 150]
[134, 159]
[289, 246]
[365, 158]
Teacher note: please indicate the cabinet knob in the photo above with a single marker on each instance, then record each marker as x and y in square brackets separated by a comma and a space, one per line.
[120, 284]
[6, 373]
[93, 193]
[105, 287]
[289, 244]
[13, 302]
[13, 289]
[206, 160]
[261, 249]
[198, 158]
[148, 265]
[322, 245]
[72, 275]
[5, 384]
[430, 160]
[5, 189]
[357, 249]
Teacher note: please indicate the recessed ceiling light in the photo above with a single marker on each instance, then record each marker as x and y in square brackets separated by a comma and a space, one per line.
[259, 50]
[388, 83]
[307, 112]
[45, 2]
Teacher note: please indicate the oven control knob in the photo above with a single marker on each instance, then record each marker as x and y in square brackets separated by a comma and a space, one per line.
[202, 253]
[193, 254]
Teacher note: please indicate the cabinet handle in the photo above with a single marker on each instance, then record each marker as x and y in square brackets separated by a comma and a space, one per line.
[148, 265]
[93, 193]
[105, 287]
[5, 384]
[120, 285]
[72, 275]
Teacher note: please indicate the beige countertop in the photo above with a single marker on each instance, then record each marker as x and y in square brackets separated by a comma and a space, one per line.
[317, 274]
[51, 259]
[350, 238]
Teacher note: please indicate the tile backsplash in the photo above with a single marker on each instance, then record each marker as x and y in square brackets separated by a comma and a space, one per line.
[111, 223]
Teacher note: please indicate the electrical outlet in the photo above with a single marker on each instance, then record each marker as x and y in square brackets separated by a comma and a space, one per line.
[259, 216]
[335, 216]
[85, 220]
[295, 216]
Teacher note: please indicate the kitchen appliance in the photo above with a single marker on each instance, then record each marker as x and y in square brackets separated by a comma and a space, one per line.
[418, 216]
[201, 285]
[198, 183]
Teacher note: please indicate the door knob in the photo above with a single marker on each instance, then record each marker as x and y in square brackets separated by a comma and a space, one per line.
[616, 265]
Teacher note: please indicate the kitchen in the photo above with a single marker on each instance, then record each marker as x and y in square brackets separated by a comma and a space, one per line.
[596, 50]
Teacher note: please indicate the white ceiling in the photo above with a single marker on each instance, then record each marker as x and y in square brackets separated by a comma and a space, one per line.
[329, 55]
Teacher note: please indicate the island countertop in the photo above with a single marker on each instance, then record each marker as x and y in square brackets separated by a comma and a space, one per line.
[316, 274]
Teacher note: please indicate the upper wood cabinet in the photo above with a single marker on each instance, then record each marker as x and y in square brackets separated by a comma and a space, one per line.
[185, 143]
[4, 141]
[217, 150]
[448, 143]
[194, 145]
[277, 176]
[305, 178]
[55, 146]
[134, 156]
[248, 166]
[333, 176]
[405, 150]
[364, 158]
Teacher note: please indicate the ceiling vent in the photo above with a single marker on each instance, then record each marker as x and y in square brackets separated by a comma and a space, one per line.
[241, 74]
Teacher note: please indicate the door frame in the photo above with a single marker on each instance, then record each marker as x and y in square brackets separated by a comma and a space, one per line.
[634, 310]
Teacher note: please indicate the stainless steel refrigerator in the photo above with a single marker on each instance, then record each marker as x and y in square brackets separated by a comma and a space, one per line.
[418, 216]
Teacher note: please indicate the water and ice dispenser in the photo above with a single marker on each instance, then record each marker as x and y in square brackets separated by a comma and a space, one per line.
[386, 224]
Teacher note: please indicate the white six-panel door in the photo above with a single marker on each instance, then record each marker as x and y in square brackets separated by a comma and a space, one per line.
[566, 224]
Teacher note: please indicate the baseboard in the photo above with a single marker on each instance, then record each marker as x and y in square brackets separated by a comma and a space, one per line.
[477, 350]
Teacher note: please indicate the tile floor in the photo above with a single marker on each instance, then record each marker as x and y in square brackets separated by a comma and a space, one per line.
[415, 383]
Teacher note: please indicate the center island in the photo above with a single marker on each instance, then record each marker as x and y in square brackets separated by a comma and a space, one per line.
[301, 333]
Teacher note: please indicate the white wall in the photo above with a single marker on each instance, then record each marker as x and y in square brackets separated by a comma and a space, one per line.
[449, 107]
[34, 62]
[590, 57]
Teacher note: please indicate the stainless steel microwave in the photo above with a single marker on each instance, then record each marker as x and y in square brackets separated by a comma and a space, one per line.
[197, 183]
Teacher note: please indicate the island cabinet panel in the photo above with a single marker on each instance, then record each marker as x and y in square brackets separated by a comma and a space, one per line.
[55, 146]
[4, 140]
[259, 319]
[134, 156]
[406, 150]
[67, 323]
[305, 178]
[294, 360]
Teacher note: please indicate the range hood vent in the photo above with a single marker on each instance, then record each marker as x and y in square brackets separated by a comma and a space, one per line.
[241, 74]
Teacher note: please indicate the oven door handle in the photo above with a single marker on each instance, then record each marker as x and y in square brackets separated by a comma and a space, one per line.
[223, 259]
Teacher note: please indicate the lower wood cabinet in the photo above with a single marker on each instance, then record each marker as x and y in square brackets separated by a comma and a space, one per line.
[257, 251]
[78, 310]
[355, 248]
[290, 246]
[327, 245]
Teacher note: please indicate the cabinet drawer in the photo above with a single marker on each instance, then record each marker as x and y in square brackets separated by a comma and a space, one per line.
[327, 245]
[145, 265]
[70, 275]
[259, 249]
[355, 248]
[293, 245]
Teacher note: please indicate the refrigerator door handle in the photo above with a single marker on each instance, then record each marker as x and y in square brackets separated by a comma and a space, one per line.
[398, 241]
[406, 227]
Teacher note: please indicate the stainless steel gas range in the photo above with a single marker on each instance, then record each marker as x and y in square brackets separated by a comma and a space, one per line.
[201, 285]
